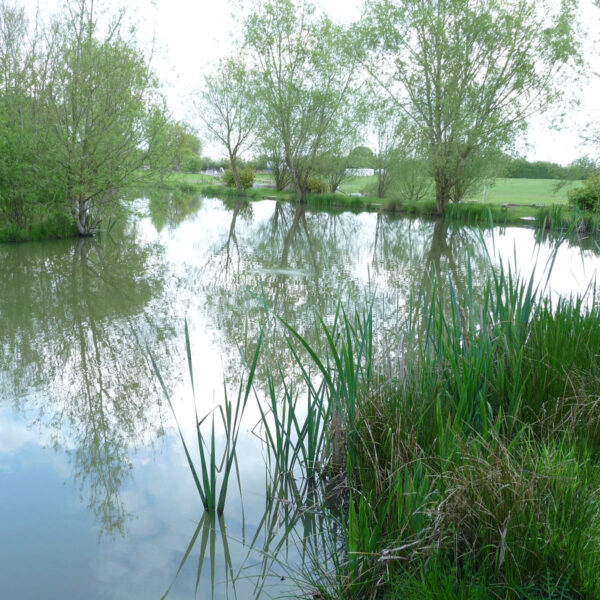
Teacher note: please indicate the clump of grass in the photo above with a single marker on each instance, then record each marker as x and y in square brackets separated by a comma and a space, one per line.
[56, 226]
[560, 218]
[472, 213]
[478, 454]
[212, 492]
[467, 468]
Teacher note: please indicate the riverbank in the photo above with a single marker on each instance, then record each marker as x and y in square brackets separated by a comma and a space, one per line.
[467, 468]
[528, 203]
[531, 203]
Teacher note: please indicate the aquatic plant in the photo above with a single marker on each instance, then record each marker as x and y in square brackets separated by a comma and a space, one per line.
[466, 467]
[212, 492]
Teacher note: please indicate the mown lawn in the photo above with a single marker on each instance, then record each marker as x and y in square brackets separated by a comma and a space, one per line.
[504, 191]
[526, 191]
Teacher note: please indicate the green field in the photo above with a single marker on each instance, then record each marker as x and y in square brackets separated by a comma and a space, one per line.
[526, 191]
[504, 191]
[530, 192]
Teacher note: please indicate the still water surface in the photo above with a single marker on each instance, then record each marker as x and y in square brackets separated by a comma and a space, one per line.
[96, 499]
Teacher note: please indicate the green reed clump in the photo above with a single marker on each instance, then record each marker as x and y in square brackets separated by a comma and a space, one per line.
[477, 453]
[467, 468]
[477, 214]
[560, 218]
[211, 491]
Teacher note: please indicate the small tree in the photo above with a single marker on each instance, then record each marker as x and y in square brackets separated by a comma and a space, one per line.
[186, 147]
[360, 157]
[332, 168]
[227, 110]
[304, 81]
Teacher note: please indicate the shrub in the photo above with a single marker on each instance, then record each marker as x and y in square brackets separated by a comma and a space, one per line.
[316, 186]
[191, 163]
[587, 197]
[246, 176]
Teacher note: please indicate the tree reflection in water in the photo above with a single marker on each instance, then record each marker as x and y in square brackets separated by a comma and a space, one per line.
[75, 327]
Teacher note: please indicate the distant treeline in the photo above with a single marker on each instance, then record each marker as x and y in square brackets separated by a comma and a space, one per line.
[514, 168]
[519, 168]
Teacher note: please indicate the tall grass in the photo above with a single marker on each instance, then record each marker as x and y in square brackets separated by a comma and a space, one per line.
[466, 468]
[477, 461]
[211, 491]
[472, 213]
[559, 218]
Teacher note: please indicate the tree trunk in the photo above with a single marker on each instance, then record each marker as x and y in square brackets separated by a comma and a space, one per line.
[236, 175]
[300, 190]
[79, 213]
[442, 193]
[381, 183]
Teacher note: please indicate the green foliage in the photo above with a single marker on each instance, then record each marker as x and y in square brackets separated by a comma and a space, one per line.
[467, 75]
[30, 193]
[246, 176]
[304, 85]
[587, 196]
[215, 164]
[481, 454]
[80, 119]
[520, 168]
[191, 163]
[227, 109]
[316, 186]
[184, 148]
[360, 157]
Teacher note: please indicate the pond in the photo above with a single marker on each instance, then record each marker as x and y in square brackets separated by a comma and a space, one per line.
[96, 497]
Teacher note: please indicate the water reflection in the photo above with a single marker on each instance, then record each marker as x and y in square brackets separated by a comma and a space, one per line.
[296, 532]
[169, 208]
[76, 319]
[76, 322]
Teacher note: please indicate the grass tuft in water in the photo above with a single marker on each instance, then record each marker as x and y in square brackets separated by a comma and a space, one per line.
[472, 470]
[463, 465]
[212, 492]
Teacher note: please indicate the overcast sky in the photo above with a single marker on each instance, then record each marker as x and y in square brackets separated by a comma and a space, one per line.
[192, 34]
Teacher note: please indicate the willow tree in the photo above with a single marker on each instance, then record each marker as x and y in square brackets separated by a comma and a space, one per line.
[27, 190]
[304, 80]
[467, 73]
[109, 118]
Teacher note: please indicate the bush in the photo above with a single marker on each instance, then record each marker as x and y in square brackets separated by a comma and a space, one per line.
[191, 163]
[587, 197]
[246, 176]
[316, 186]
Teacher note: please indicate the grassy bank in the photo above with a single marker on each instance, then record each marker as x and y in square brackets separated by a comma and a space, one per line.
[509, 201]
[545, 216]
[456, 460]
[470, 468]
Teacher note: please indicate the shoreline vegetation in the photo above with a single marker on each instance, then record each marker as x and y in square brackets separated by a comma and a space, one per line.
[462, 460]
[534, 203]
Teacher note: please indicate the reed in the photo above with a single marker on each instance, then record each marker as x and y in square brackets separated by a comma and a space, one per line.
[212, 492]
[478, 454]
[464, 467]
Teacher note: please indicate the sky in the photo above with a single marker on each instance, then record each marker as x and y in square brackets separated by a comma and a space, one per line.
[190, 35]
